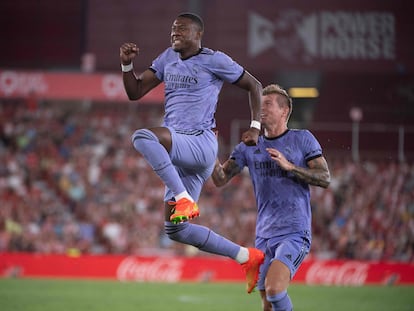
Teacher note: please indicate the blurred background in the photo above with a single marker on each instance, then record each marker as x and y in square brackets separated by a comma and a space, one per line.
[70, 181]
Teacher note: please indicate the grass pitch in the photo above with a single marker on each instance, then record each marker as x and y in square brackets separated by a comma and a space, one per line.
[62, 295]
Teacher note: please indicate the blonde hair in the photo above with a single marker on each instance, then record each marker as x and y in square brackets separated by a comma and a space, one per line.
[277, 89]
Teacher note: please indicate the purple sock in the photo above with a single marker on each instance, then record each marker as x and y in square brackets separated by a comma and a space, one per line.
[202, 238]
[149, 146]
[280, 302]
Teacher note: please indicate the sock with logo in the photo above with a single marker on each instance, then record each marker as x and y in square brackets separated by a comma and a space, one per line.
[201, 237]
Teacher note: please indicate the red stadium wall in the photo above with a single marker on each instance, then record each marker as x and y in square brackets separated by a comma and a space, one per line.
[69, 86]
[195, 269]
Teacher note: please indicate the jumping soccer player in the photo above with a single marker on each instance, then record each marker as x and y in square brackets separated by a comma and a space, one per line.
[282, 166]
[182, 152]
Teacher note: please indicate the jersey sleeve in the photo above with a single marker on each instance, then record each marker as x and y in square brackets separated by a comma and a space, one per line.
[158, 64]
[312, 148]
[238, 155]
[225, 67]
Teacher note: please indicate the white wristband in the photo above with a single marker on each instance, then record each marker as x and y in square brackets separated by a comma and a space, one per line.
[126, 68]
[255, 124]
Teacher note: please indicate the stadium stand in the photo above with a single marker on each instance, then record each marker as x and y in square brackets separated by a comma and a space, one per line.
[70, 181]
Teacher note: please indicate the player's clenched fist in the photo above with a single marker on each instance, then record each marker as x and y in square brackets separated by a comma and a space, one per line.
[127, 52]
[250, 137]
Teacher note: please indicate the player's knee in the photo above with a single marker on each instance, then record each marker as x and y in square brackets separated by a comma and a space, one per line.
[275, 288]
[143, 134]
[277, 279]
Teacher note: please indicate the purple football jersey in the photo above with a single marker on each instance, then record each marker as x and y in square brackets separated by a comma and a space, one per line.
[283, 201]
[192, 86]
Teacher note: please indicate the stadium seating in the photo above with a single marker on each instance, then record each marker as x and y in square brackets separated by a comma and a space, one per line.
[70, 181]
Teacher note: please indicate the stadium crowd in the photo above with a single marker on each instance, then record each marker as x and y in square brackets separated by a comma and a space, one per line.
[71, 182]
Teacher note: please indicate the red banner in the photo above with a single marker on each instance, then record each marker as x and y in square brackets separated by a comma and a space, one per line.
[176, 269]
[340, 272]
[123, 268]
[69, 86]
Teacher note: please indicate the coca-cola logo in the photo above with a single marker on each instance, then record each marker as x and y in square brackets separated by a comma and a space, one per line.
[112, 85]
[12, 82]
[157, 270]
[349, 273]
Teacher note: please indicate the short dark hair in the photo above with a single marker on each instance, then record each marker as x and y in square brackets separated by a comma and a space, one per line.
[195, 18]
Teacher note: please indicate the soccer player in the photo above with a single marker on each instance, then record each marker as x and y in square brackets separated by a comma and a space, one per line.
[282, 166]
[182, 152]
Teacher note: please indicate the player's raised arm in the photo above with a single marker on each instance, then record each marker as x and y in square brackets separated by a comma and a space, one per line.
[146, 81]
[254, 88]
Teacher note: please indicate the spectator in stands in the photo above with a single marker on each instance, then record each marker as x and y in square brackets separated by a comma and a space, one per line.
[29, 185]
[182, 152]
[282, 166]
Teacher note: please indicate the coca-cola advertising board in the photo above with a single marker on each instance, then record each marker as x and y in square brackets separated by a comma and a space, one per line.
[172, 269]
[69, 86]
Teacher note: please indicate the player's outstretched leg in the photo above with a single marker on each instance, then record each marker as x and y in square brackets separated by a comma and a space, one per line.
[251, 268]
